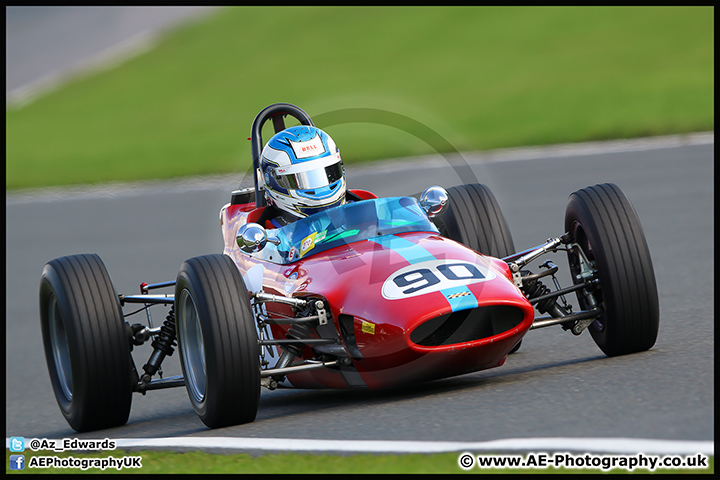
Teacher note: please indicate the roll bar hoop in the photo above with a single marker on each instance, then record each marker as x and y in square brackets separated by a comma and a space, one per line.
[276, 112]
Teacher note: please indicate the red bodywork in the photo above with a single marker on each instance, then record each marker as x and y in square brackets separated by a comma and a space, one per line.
[377, 332]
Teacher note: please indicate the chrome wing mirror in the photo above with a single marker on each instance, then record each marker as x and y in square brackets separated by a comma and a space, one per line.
[434, 201]
[252, 238]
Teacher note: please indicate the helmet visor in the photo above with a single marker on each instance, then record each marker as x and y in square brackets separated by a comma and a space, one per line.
[310, 179]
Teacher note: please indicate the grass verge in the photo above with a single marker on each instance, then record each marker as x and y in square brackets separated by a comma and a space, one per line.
[480, 77]
[154, 462]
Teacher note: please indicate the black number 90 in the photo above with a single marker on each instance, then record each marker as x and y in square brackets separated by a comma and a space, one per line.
[425, 277]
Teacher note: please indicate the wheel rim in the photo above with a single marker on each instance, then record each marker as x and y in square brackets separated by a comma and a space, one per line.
[580, 237]
[60, 349]
[192, 347]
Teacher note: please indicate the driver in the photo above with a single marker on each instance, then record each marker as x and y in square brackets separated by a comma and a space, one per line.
[302, 174]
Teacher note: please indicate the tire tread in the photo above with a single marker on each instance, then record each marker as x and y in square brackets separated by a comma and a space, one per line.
[626, 273]
[474, 219]
[232, 353]
[101, 363]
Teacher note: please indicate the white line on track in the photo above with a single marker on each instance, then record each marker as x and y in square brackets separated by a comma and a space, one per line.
[105, 60]
[584, 445]
[232, 181]
[594, 445]
[557, 151]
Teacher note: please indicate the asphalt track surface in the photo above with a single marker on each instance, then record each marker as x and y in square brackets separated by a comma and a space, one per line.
[557, 385]
[46, 45]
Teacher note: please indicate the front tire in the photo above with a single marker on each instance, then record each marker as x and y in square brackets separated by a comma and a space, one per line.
[474, 218]
[217, 341]
[87, 347]
[604, 224]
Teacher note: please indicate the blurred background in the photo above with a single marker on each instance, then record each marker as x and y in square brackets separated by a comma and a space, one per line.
[161, 92]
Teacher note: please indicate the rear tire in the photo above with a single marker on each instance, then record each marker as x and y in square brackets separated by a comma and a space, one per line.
[87, 347]
[474, 218]
[603, 222]
[217, 341]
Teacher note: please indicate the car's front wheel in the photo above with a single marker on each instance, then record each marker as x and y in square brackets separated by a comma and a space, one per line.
[217, 340]
[605, 226]
[87, 346]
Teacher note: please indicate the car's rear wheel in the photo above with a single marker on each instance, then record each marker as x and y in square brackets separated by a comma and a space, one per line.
[217, 340]
[474, 218]
[604, 224]
[87, 347]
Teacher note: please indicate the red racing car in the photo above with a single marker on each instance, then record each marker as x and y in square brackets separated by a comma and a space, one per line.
[372, 293]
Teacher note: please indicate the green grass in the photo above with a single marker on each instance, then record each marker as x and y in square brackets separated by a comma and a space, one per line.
[201, 463]
[479, 77]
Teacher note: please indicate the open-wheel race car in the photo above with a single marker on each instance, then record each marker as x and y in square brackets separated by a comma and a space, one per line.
[374, 292]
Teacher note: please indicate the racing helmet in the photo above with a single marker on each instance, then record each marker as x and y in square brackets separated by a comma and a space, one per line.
[302, 171]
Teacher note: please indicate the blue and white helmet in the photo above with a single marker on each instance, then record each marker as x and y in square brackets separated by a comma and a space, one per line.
[302, 171]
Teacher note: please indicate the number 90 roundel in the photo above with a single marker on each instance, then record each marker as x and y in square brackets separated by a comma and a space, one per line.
[433, 276]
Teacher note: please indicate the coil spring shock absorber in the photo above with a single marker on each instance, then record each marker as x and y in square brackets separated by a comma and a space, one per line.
[162, 346]
[297, 331]
[534, 288]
